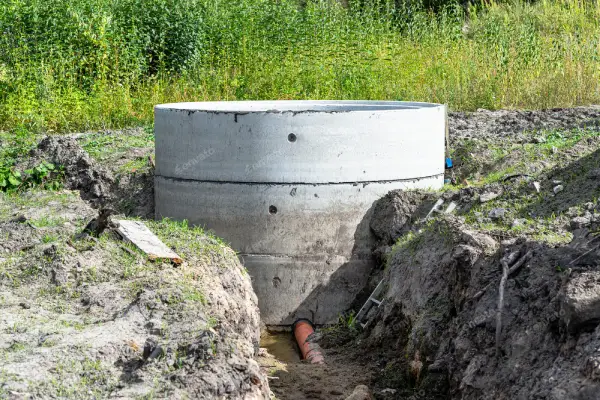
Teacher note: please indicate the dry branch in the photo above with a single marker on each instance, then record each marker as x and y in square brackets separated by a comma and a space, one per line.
[506, 271]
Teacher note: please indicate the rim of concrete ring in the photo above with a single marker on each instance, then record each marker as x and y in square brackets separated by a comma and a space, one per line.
[295, 106]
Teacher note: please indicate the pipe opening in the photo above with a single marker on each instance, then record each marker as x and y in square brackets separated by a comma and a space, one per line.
[304, 333]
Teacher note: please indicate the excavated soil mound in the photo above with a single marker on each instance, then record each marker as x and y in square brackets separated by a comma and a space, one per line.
[513, 123]
[80, 171]
[435, 334]
[85, 317]
[100, 185]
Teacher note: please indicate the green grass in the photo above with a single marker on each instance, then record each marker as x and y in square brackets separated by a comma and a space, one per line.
[17, 347]
[103, 146]
[78, 326]
[191, 293]
[189, 240]
[74, 65]
[88, 378]
[49, 238]
[135, 165]
[48, 221]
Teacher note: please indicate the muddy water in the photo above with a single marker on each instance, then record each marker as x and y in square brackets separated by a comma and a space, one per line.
[292, 379]
[281, 345]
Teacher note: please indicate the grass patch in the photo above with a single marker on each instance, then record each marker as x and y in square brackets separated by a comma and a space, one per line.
[410, 241]
[78, 326]
[517, 220]
[190, 241]
[105, 64]
[190, 293]
[87, 378]
[48, 221]
[14, 145]
[16, 347]
[136, 165]
[103, 146]
[49, 238]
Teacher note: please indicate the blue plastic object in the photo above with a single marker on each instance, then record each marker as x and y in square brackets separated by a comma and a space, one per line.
[448, 162]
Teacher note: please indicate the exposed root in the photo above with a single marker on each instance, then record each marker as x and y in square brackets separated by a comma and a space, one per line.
[520, 263]
[500, 305]
[506, 272]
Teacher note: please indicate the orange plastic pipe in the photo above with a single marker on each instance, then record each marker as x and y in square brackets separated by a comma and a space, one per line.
[310, 351]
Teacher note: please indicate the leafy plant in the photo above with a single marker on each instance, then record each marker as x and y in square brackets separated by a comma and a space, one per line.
[73, 65]
[10, 179]
[46, 175]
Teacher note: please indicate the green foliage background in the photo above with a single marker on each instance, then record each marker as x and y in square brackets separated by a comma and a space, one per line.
[69, 65]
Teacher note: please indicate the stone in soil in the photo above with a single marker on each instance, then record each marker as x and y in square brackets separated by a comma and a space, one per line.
[581, 303]
[497, 213]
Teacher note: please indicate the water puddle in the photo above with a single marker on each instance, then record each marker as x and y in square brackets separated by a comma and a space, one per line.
[280, 345]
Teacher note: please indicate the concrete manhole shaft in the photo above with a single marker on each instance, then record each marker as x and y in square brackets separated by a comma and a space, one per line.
[290, 185]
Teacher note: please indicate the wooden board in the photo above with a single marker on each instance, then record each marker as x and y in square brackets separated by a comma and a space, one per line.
[138, 233]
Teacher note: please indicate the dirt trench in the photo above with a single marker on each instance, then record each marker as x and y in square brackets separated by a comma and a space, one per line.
[528, 198]
[88, 319]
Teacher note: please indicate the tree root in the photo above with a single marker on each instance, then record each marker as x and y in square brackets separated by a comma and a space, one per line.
[506, 271]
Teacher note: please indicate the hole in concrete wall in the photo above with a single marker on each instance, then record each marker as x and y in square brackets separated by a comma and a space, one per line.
[292, 137]
[276, 281]
[272, 210]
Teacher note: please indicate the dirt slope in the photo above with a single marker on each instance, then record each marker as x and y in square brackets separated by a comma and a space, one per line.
[440, 313]
[84, 317]
[528, 197]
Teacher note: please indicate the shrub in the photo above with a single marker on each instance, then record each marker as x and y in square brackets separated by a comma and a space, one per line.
[166, 34]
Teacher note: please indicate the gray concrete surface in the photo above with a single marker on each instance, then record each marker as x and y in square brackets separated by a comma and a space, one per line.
[290, 186]
[343, 143]
[317, 288]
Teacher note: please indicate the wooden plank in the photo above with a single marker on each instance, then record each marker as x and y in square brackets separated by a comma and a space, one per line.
[138, 233]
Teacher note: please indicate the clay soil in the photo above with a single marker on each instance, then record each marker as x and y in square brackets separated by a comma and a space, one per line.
[292, 378]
